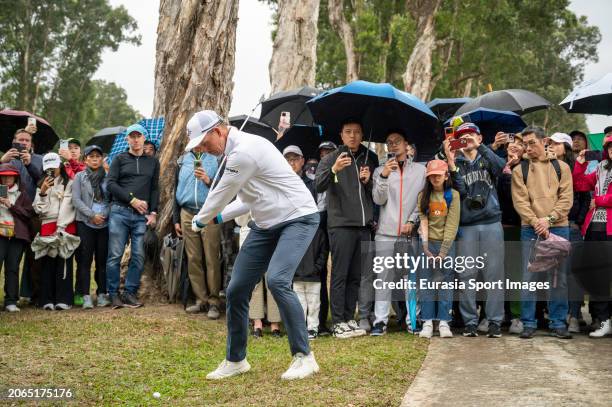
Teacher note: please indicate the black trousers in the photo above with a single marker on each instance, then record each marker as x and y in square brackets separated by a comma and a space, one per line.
[324, 310]
[11, 251]
[94, 246]
[345, 245]
[56, 281]
[598, 259]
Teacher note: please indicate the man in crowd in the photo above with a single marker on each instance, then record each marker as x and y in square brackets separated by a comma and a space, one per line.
[474, 173]
[579, 143]
[149, 148]
[396, 187]
[543, 196]
[72, 158]
[345, 174]
[195, 172]
[133, 182]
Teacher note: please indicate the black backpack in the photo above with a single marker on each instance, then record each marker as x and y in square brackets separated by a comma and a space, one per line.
[525, 169]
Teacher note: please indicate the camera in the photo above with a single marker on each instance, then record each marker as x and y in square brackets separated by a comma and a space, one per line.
[476, 202]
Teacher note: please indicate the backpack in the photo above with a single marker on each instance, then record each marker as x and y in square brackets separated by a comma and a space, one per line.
[525, 169]
[448, 197]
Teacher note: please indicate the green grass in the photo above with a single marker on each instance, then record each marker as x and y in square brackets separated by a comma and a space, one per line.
[121, 357]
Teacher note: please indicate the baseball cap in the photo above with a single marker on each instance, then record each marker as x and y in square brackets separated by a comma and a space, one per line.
[607, 140]
[199, 125]
[138, 128]
[8, 169]
[51, 160]
[328, 145]
[294, 150]
[436, 167]
[466, 128]
[561, 138]
[74, 141]
[89, 149]
[575, 133]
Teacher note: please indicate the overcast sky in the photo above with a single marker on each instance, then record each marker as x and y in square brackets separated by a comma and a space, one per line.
[133, 67]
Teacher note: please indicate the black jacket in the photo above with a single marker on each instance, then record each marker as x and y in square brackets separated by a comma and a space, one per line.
[134, 177]
[315, 259]
[504, 192]
[349, 201]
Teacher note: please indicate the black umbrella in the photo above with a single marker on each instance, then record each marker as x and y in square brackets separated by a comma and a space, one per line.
[10, 120]
[446, 108]
[591, 97]
[105, 138]
[254, 126]
[518, 101]
[307, 138]
[292, 101]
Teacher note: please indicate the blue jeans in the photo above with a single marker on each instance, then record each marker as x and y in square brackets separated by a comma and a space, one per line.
[125, 223]
[428, 296]
[276, 251]
[557, 296]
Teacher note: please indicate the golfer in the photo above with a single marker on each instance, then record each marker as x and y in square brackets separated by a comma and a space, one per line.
[285, 219]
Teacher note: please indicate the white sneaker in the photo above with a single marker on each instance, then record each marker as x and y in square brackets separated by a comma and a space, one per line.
[445, 331]
[605, 328]
[62, 307]
[49, 307]
[228, 369]
[483, 326]
[427, 331]
[301, 367]
[87, 302]
[357, 331]
[12, 308]
[342, 331]
[195, 308]
[103, 300]
[573, 326]
[516, 327]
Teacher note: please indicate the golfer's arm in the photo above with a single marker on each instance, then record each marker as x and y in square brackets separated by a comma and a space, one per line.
[233, 210]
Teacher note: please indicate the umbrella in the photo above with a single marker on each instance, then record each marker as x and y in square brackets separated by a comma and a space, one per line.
[515, 100]
[445, 108]
[380, 107]
[61, 244]
[293, 101]
[10, 120]
[307, 138]
[254, 126]
[591, 97]
[155, 128]
[105, 138]
[491, 121]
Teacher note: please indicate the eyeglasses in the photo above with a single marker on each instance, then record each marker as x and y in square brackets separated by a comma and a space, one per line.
[293, 160]
[394, 143]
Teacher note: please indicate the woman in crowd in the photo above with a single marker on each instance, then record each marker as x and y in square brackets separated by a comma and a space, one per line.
[15, 213]
[90, 199]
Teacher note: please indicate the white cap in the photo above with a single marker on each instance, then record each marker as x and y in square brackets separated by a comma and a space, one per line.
[51, 160]
[561, 138]
[294, 150]
[199, 125]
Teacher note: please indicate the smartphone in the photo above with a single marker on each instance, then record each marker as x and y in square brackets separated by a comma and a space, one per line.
[458, 144]
[592, 155]
[197, 163]
[3, 191]
[32, 121]
[63, 145]
[510, 137]
[50, 173]
[390, 156]
[18, 147]
[449, 132]
[285, 120]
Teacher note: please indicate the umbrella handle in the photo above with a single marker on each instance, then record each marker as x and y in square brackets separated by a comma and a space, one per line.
[368, 152]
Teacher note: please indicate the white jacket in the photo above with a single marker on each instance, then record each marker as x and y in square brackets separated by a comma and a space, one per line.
[56, 205]
[263, 181]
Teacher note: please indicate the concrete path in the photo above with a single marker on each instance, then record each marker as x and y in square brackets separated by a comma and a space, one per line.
[509, 371]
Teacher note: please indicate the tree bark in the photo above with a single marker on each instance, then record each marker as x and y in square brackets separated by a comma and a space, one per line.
[417, 77]
[343, 27]
[294, 55]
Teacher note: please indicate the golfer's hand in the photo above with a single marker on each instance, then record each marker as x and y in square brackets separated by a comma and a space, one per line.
[196, 226]
[341, 163]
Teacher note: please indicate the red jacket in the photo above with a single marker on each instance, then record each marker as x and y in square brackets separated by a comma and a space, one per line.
[73, 167]
[589, 181]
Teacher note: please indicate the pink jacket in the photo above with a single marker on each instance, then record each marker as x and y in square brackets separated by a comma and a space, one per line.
[601, 201]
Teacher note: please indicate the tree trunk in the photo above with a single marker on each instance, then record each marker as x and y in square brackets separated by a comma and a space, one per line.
[196, 45]
[294, 55]
[417, 77]
[339, 23]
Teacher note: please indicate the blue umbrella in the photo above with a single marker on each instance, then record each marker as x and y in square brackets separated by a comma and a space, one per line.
[445, 108]
[380, 107]
[491, 121]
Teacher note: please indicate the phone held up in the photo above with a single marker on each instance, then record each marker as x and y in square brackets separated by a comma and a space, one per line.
[285, 120]
[344, 151]
[3, 191]
[458, 144]
[390, 156]
[63, 145]
[449, 132]
[592, 155]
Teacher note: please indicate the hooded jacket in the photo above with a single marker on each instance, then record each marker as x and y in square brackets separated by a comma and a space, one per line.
[595, 182]
[22, 210]
[349, 201]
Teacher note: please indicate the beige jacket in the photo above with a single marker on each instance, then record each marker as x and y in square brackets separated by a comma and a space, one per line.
[56, 205]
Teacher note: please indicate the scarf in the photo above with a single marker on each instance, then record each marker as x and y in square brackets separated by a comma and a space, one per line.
[95, 178]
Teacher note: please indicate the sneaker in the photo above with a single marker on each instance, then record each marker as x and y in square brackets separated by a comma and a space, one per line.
[301, 367]
[560, 333]
[103, 300]
[323, 331]
[470, 331]
[312, 334]
[342, 331]
[49, 307]
[595, 325]
[213, 312]
[78, 300]
[130, 300]
[444, 329]
[87, 302]
[257, 333]
[228, 369]
[364, 324]
[116, 301]
[483, 326]
[12, 308]
[357, 331]
[574, 325]
[494, 331]
[62, 307]
[527, 333]
[516, 326]
[195, 308]
[427, 331]
[605, 328]
[379, 329]
[276, 333]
